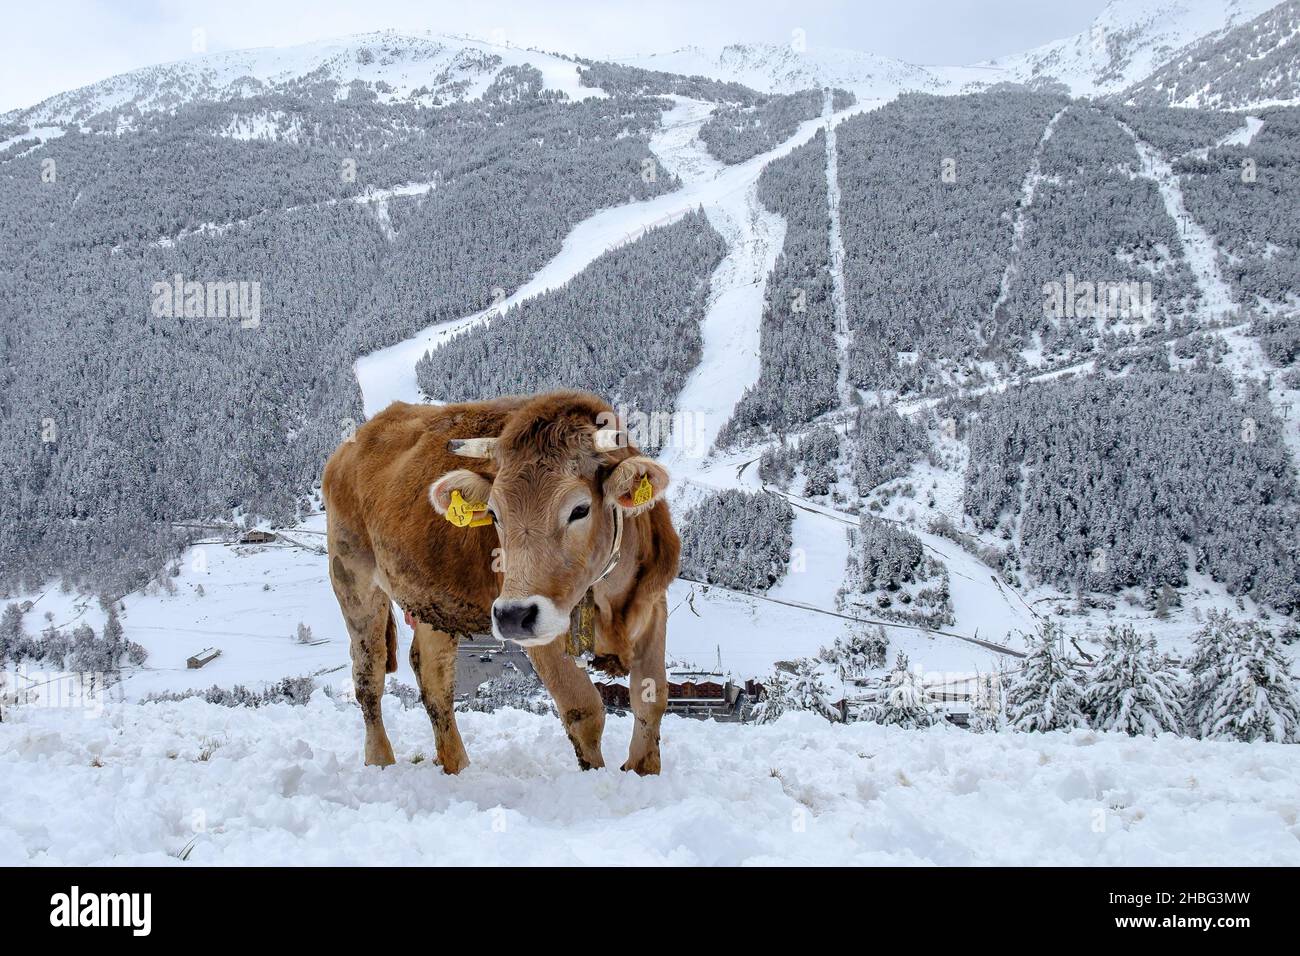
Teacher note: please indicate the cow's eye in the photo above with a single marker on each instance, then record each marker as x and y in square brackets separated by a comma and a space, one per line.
[578, 513]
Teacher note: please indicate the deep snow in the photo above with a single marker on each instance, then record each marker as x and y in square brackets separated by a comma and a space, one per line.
[286, 785]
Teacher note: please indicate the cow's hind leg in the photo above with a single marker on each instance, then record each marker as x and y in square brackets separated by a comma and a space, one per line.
[433, 658]
[576, 697]
[367, 611]
[648, 690]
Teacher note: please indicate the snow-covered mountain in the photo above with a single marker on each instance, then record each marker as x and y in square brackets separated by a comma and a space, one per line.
[785, 68]
[1128, 41]
[1255, 64]
[431, 69]
[909, 490]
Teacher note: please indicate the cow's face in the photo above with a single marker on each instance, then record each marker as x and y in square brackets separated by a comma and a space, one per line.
[554, 500]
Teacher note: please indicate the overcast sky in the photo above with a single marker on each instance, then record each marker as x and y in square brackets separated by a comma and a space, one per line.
[57, 45]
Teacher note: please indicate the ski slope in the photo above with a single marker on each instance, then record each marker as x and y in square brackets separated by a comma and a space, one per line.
[1199, 249]
[835, 244]
[388, 375]
[150, 785]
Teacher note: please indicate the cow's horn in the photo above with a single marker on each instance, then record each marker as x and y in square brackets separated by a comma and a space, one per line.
[472, 447]
[609, 439]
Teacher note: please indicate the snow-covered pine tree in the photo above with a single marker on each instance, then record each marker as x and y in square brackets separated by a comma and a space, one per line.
[877, 644]
[775, 699]
[113, 627]
[989, 708]
[1242, 687]
[12, 637]
[802, 690]
[1133, 689]
[807, 691]
[906, 702]
[857, 652]
[1045, 696]
[510, 688]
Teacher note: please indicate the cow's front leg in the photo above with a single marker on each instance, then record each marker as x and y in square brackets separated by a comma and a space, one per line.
[576, 697]
[433, 658]
[648, 690]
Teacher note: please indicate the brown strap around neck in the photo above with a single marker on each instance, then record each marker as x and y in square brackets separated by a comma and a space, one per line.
[613, 551]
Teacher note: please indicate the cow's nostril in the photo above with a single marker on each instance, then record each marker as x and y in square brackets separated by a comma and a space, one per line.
[514, 618]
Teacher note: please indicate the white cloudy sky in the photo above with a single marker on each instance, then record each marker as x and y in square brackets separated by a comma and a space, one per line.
[61, 44]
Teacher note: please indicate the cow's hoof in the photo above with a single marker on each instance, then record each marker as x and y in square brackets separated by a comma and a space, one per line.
[647, 766]
[380, 755]
[452, 763]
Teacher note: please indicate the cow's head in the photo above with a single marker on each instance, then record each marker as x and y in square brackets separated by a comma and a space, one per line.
[556, 481]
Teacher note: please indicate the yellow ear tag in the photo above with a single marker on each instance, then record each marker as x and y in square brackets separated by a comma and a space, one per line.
[465, 514]
[644, 492]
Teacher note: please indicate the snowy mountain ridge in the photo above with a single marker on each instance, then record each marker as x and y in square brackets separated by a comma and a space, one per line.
[1126, 43]
[427, 69]
[787, 67]
[1253, 65]
[1128, 40]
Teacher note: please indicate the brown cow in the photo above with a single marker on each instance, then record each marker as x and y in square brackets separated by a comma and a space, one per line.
[573, 508]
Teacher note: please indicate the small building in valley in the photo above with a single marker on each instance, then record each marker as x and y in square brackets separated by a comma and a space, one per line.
[205, 656]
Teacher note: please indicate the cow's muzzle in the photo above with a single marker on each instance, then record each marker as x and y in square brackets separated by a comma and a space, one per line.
[527, 621]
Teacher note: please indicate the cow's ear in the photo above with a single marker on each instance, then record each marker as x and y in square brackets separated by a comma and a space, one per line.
[636, 484]
[474, 488]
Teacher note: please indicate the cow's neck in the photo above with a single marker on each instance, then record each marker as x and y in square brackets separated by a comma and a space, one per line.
[613, 583]
[622, 574]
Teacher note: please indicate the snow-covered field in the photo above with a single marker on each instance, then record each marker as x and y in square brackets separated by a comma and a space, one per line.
[254, 596]
[286, 785]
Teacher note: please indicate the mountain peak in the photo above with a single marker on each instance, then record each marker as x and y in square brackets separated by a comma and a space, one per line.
[1128, 40]
[440, 67]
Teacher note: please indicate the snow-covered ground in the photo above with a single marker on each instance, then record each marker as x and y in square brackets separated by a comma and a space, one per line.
[43, 133]
[141, 784]
[247, 601]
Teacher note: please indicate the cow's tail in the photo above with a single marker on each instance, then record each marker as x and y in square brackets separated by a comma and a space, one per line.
[390, 641]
